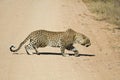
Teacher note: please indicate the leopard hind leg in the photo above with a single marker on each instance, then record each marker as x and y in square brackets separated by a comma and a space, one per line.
[31, 47]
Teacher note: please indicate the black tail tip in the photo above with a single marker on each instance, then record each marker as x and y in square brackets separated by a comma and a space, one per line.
[11, 48]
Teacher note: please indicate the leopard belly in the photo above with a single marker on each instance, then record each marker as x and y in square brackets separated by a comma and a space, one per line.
[54, 43]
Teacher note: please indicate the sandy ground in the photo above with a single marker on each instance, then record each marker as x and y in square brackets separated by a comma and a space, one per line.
[18, 18]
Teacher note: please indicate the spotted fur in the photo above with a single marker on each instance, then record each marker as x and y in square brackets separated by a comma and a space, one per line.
[63, 40]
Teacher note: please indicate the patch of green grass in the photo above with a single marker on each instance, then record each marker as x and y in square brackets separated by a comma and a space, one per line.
[108, 10]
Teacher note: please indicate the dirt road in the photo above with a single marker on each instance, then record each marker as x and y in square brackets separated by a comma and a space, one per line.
[20, 17]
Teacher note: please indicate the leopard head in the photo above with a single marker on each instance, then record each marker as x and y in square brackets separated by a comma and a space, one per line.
[82, 39]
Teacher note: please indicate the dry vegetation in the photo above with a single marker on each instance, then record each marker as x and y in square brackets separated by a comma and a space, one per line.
[108, 10]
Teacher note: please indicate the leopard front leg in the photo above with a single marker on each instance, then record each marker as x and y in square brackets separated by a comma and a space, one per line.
[62, 48]
[72, 48]
[76, 52]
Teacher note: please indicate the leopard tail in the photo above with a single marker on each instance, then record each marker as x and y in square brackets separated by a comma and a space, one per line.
[21, 44]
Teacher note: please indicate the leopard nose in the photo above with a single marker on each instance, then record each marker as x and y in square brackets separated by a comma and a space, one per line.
[87, 45]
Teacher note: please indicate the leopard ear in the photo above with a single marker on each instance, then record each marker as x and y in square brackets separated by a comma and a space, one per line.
[69, 30]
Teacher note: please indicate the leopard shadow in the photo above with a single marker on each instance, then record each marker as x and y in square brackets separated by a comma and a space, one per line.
[70, 54]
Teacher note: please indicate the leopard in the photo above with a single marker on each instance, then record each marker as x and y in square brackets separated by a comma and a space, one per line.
[61, 39]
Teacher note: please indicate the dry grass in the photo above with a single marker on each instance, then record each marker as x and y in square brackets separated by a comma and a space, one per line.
[108, 10]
